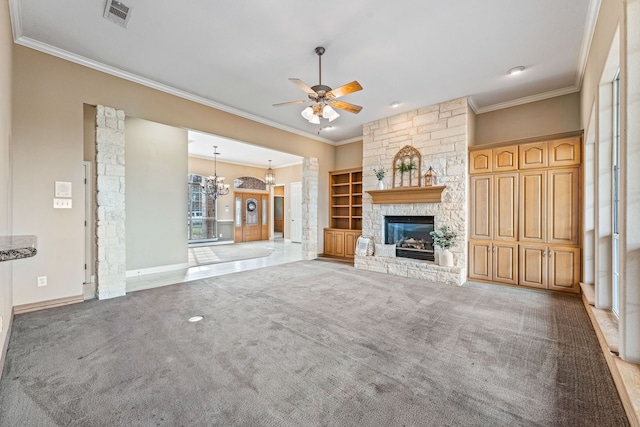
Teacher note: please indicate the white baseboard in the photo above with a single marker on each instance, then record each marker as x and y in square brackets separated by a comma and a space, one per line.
[159, 269]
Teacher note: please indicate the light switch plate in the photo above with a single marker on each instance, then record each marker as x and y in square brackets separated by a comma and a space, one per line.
[62, 203]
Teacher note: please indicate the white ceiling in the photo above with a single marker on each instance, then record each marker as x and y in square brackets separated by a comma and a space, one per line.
[238, 55]
[230, 151]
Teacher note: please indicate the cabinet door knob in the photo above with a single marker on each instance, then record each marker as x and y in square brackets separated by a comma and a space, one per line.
[494, 249]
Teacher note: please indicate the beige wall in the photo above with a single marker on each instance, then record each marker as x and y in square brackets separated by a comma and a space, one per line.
[6, 291]
[156, 195]
[547, 117]
[49, 98]
[284, 176]
[349, 156]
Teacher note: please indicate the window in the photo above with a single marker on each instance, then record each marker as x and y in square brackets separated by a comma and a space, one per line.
[615, 215]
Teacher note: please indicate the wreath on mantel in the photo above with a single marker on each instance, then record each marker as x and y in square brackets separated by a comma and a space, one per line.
[407, 165]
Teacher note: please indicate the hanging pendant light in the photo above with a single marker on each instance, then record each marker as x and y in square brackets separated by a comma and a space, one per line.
[214, 186]
[270, 176]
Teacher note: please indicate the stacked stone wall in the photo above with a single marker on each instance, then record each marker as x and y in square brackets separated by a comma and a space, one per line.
[111, 260]
[439, 132]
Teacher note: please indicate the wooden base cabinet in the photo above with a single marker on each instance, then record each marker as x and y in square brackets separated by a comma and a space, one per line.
[550, 267]
[493, 261]
[340, 243]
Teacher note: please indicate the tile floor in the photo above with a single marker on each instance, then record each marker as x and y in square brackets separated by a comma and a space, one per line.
[283, 253]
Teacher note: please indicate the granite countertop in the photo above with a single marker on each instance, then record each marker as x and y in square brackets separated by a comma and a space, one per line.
[17, 247]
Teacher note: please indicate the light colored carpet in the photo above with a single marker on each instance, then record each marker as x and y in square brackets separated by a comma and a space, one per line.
[310, 344]
[216, 254]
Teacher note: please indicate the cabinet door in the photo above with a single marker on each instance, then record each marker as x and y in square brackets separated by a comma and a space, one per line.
[481, 211]
[533, 155]
[339, 243]
[533, 266]
[480, 260]
[564, 268]
[350, 239]
[505, 159]
[480, 161]
[562, 206]
[329, 242]
[505, 262]
[533, 211]
[505, 208]
[565, 152]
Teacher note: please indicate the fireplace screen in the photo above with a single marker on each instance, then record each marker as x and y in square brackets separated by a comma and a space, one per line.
[411, 236]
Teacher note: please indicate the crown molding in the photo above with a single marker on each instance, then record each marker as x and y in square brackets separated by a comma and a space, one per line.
[251, 165]
[16, 19]
[107, 69]
[350, 140]
[528, 99]
[472, 104]
[587, 39]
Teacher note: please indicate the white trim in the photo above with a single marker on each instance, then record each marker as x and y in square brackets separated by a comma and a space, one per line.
[159, 269]
[350, 140]
[472, 104]
[252, 165]
[16, 18]
[587, 39]
[89, 63]
[528, 99]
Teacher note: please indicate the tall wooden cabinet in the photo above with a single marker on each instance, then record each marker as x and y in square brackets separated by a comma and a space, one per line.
[345, 213]
[525, 214]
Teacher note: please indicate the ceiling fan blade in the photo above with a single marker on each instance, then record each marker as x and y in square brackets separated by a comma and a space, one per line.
[352, 108]
[292, 103]
[312, 93]
[354, 86]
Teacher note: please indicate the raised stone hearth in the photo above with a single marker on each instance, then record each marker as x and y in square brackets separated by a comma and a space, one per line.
[440, 133]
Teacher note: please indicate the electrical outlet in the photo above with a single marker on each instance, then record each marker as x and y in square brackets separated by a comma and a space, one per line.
[42, 281]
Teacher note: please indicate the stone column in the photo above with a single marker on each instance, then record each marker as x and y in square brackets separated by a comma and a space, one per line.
[110, 213]
[310, 171]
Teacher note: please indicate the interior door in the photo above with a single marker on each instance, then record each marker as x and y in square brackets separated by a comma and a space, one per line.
[296, 212]
[251, 216]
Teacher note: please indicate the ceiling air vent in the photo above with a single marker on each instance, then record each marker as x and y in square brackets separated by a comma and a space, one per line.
[117, 12]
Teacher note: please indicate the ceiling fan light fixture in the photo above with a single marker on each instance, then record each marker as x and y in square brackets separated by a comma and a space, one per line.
[314, 120]
[307, 113]
[329, 113]
[334, 116]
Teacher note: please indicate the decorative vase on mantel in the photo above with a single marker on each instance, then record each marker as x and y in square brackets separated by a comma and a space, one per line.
[380, 173]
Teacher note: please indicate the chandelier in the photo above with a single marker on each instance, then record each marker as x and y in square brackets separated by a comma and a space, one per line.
[214, 186]
[270, 176]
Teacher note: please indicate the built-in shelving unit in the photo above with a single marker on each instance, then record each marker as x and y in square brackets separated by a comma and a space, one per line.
[345, 213]
[346, 199]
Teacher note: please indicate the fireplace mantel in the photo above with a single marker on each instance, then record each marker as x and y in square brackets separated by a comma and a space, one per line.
[397, 195]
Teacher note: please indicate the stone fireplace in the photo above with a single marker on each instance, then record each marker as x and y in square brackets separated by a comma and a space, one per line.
[441, 134]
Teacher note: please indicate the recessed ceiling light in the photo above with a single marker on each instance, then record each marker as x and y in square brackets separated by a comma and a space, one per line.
[516, 70]
[327, 127]
[195, 319]
[395, 104]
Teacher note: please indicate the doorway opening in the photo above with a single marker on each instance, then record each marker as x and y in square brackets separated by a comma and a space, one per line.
[278, 212]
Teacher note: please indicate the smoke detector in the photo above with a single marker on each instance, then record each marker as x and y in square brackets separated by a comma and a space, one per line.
[117, 12]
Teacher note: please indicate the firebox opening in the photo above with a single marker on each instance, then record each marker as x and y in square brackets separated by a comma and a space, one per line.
[411, 235]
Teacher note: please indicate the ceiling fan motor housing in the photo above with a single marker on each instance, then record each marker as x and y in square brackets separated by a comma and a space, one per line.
[321, 90]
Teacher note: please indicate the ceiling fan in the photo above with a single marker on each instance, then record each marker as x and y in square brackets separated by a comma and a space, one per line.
[324, 97]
